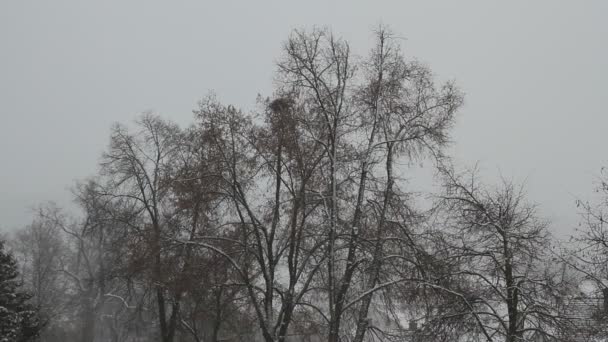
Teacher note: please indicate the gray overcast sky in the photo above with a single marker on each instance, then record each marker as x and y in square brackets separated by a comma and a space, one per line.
[534, 72]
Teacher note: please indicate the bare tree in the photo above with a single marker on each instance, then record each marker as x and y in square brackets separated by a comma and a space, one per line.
[267, 236]
[330, 138]
[42, 251]
[587, 254]
[506, 289]
[204, 276]
[412, 117]
[365, 123]
[137, 168]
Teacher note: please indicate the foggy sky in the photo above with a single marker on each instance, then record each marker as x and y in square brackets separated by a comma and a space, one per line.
[534, 74]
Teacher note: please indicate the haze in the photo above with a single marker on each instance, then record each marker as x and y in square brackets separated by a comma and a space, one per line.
[534, 74]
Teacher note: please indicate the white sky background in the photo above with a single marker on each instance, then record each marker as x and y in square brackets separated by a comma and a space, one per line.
[535, 75]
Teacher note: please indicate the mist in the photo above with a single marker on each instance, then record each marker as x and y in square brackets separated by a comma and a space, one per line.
[508, 124]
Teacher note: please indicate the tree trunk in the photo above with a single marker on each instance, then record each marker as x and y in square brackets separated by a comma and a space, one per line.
[363, 321]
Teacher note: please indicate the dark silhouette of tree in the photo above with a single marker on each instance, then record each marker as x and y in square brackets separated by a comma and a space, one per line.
[18, 319]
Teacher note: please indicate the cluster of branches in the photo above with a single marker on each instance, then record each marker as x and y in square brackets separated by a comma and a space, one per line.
[294, 222]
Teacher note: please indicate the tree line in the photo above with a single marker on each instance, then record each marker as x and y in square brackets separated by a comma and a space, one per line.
[294, 222]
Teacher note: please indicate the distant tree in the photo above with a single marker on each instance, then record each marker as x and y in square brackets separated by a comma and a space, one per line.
[592, 257]
[40, 249]
[589, 254]
[501, 287]
[18, 319]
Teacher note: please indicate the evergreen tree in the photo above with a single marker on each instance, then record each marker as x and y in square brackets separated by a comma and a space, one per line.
[18, 320]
